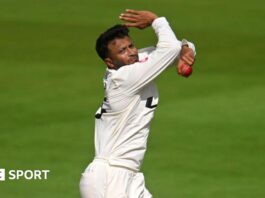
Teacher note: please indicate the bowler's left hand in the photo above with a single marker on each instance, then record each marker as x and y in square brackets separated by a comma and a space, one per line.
[138, 19]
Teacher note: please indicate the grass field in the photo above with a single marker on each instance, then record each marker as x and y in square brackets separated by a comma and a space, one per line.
[208, 136]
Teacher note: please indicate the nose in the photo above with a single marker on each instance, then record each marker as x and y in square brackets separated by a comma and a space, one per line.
[131, 51]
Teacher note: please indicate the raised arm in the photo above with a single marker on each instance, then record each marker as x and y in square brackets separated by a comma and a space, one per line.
[144, 19]
[137, 75]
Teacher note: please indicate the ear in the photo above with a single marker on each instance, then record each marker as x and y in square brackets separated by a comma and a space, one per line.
[109, 63]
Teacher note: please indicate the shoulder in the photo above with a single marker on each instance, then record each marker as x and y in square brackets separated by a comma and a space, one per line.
[146, 51]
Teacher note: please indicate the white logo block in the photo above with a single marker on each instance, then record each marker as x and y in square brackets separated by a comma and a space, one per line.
[2, 175]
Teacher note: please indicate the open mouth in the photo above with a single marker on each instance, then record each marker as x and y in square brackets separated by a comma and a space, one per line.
[133, 59]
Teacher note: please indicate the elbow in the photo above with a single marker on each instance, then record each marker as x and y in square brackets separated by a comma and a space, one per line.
[172, 46]
[175, 47]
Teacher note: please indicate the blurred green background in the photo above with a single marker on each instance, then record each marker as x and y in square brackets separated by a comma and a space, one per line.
[208, 136]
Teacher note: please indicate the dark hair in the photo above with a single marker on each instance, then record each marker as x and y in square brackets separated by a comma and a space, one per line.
[117, 31]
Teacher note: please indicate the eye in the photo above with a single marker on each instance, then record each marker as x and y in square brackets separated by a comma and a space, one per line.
[131, 46]
[122, 51]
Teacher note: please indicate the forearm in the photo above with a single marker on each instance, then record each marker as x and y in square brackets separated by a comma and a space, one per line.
[165, 35]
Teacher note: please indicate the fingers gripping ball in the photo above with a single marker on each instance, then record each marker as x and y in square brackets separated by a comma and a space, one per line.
[185, 70]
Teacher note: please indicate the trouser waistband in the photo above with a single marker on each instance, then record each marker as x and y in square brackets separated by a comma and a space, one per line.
[106, 161]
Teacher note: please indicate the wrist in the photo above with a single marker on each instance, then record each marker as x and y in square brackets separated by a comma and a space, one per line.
[154, 18]
[158, 22]
[184, 47]
[184, 43]
[190, 45]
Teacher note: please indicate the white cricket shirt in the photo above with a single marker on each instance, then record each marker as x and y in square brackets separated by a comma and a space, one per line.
[123, 121]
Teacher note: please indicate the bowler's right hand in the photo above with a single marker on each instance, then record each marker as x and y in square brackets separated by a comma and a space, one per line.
[186, 59]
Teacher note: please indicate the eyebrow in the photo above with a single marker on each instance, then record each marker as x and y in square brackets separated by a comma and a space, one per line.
[121, 49]
[130, 44]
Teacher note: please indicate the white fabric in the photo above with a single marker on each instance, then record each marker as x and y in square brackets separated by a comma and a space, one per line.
[121, 133]
[103, 181]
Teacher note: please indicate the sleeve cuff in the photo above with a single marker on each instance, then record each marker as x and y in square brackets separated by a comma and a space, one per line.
[189, 44]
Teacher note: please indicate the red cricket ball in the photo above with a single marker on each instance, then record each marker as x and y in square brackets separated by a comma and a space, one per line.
[185, 70]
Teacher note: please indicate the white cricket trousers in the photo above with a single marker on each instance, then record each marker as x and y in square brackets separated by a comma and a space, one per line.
[100, 180]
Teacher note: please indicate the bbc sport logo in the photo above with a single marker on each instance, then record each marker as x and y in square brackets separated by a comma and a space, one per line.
[23, 174]
[2, 174]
